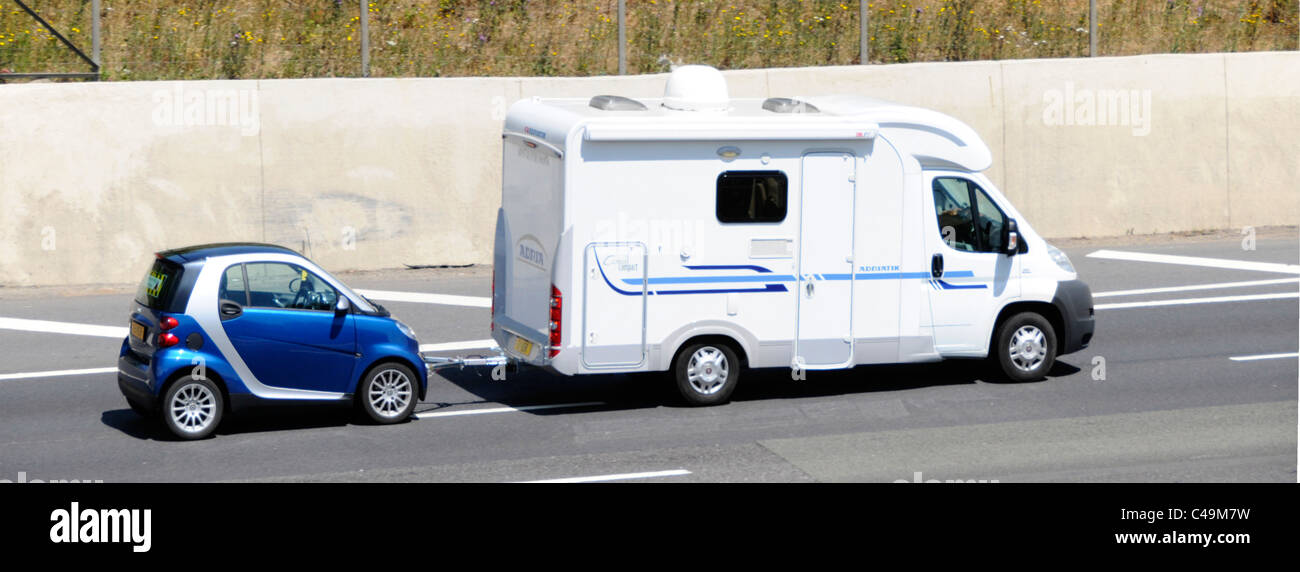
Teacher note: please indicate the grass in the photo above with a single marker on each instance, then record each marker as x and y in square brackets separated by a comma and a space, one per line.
[177, 39]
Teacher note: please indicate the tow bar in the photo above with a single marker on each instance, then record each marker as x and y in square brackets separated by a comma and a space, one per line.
[433, 363]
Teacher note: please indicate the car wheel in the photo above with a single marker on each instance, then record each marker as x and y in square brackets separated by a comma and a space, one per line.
[192, 408]
[707, 373]
[388, 393]
[1025, 347]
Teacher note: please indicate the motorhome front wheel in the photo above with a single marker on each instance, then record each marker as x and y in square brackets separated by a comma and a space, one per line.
[1026, 347]
[707, 373]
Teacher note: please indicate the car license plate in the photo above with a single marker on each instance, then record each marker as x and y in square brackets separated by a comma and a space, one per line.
[137, 330]
[523, 347]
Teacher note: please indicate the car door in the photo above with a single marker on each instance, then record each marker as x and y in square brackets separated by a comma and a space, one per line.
[970, 276]
[285, 328]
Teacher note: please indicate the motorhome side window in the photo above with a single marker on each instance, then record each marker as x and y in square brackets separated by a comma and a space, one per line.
[751, 196]
[968, 219]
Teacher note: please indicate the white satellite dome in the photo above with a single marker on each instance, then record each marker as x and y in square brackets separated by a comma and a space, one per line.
[696, 88]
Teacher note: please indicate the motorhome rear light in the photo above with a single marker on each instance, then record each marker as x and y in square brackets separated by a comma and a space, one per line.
[556, 323]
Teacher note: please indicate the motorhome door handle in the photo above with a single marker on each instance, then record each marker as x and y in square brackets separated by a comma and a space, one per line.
[936, 265]
[808, 286]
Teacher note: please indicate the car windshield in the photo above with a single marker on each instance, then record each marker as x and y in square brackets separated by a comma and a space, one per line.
[159, 285]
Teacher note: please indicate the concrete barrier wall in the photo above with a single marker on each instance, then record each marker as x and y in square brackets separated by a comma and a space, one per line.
[380, 173]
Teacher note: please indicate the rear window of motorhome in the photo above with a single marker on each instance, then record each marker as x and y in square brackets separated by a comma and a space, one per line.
[751, 196]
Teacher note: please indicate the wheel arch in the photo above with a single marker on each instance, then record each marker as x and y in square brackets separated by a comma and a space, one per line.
[422, 379]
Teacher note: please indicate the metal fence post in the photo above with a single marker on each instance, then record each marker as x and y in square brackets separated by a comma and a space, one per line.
[622, 37]
[1092, 28]
[863, 35]
[94, 35]
[365, 38]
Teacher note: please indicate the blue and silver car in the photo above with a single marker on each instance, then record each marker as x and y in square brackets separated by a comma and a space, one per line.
[222, 326]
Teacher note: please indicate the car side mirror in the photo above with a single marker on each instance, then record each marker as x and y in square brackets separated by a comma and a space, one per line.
[1010, 238]
[342, 306]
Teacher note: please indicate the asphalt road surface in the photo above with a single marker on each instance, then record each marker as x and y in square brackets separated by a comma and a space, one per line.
[1172, 403]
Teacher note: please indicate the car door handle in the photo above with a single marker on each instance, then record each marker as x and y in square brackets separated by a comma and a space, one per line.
[230, 309]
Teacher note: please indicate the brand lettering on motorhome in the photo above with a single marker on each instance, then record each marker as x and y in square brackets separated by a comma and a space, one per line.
[530, 251]
[879, 268]
[1098, 107]
[125, 526]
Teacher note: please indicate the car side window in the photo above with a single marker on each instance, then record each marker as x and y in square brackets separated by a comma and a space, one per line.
[952, 208]
[232, 285]
[281, 285]
[991, 222]
[968, 218]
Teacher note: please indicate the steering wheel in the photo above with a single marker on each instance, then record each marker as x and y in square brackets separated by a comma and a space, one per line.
[303, 292]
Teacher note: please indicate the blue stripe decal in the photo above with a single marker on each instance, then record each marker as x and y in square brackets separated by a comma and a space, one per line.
[771, 282]
[731, 267]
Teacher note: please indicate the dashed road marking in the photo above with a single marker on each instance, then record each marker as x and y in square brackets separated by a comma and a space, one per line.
[619, 477]
[1197, 261]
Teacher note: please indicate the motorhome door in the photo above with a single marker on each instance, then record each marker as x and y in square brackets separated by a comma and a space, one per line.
[613, 311]
[825, 272]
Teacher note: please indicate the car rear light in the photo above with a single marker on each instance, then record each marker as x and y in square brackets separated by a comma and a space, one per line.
[167, 323]
[168, 340]
[557, 320]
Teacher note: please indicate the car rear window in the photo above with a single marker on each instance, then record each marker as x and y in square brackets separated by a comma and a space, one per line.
[159, 285]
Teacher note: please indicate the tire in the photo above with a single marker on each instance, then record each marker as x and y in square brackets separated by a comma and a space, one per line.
[388, 393]
[192, 408]
[707, 373]
[1025, 347]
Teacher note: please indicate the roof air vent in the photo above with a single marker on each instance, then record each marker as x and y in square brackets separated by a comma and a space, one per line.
[787, 105]
[696, 88]
[616, 103]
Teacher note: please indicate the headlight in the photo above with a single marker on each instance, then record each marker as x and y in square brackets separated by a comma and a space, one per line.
[405, 329]
[1060, 258]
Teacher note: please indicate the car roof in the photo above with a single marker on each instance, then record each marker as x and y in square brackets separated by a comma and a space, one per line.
[203, 251]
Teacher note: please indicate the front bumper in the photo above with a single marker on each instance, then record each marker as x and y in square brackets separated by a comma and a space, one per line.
[1074, 300]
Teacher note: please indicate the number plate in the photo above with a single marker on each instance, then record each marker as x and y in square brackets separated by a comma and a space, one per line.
[523, 347]
[137, 330]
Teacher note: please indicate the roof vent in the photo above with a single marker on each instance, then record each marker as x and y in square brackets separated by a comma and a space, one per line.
[787, 105]
[696, 88]
[616, 103]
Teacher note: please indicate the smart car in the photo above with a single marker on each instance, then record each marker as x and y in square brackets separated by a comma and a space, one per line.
[219, 327]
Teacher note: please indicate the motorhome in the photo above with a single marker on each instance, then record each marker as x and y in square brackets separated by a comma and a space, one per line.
[705, 235]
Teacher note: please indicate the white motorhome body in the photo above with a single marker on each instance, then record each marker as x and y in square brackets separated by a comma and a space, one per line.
[817, 233]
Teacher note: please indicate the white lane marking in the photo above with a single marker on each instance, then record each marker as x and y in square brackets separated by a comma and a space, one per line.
[429, 414]
[63, 328]
[1195, 287]
[56, 373]
[1265, 356]
[621, 477]
[466, 345]
[1197, 261]
[1182, 301]
[427, 298]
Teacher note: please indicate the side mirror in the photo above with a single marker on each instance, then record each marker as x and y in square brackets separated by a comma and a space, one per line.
[1010, 238]
[342, 306]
